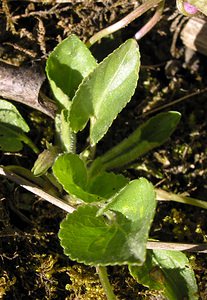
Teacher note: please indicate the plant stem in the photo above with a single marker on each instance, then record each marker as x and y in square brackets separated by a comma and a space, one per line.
[123, 22]
[30, 143]
[102, 273]
[152, 22]
[166, 196]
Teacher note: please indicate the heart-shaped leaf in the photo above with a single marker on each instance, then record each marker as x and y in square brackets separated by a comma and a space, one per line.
[67, 65]
[169, 272]
[106, 91]
[12, 128]
[116, 234]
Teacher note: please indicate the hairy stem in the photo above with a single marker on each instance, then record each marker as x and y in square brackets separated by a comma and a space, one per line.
[102, 272]
[123, 22]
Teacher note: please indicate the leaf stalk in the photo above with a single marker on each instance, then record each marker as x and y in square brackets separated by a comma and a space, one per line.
[152, 22]
[103, 276]
[139, 11]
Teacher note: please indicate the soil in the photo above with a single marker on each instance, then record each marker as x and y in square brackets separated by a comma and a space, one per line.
[33, 265]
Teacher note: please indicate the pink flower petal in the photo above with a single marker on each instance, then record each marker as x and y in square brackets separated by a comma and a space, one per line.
[190, 9]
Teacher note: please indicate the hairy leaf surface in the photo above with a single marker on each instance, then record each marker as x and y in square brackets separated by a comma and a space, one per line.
[169, 272]
[116, 234]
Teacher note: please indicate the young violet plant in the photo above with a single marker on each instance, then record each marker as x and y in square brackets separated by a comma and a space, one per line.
[110, 216]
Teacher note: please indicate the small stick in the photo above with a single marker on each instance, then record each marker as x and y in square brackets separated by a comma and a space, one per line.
[201, 248]
[36, 190]
[186, 97]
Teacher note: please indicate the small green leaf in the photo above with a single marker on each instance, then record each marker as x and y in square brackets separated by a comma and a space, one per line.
[167, 271]
[151, 134]
[106, 91]
[9, 115]
[88, 236]
[71, 172]
[12, 128]
[67, 65]
[45, 160]
[106, 184]
[200, 5]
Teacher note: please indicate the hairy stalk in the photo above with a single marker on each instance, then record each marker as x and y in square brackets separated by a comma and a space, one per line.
[123, 22]
[152, 22]
[102, 272]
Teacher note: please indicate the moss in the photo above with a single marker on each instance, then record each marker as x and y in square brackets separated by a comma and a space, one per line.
[5, 284]
[84, 284]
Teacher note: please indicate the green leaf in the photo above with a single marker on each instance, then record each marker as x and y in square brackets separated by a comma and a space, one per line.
[71, 172]
[149, 135]
[9, 115]
[116, 234]
[106, 184]
[106, 91]
[167, 271]
[67, 65]
[45, 160]
[12, 128]
[200, 4]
